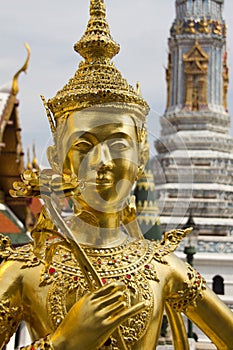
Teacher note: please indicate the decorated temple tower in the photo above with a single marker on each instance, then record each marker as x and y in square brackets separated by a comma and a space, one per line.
[193, 169]
[194, 165]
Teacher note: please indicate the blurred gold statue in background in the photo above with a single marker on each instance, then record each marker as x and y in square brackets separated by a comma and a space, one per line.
[89, 280]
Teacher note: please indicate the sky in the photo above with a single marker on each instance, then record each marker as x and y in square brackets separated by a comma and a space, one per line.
[51, 28]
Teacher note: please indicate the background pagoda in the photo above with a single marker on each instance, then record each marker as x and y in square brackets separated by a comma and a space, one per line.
[195, 149]
[194, 165]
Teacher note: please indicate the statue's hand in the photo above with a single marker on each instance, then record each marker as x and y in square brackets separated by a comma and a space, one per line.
[91, 321]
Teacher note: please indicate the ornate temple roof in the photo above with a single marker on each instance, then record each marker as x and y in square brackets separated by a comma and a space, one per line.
[7, 102]
[12, 213]
[11, 226]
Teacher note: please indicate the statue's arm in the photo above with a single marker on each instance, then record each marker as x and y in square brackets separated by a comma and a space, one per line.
[11, 306]
[214, 318]
[189, 294]
[11, 310]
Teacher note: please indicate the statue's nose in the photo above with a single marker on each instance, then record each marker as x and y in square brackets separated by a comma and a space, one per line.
[100, 156]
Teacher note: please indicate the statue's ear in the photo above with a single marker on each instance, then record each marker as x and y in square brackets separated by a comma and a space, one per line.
[53, 159]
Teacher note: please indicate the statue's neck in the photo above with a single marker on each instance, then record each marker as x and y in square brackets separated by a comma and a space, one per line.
[97, 229]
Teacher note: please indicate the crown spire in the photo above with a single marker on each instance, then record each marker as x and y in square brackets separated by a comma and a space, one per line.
[97, 41]
[97, 81]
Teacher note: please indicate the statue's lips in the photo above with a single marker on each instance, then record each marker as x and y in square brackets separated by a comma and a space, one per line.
[100, 181]
[103, 181]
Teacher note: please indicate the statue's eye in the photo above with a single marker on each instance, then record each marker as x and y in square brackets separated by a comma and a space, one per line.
[83, 146]
[119, 145]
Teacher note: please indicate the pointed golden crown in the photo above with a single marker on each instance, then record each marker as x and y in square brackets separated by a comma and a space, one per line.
[97, 81]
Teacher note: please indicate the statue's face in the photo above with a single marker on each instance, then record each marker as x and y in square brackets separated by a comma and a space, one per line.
[101, 148]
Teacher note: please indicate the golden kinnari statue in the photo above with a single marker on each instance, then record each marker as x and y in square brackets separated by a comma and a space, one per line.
[89, 280]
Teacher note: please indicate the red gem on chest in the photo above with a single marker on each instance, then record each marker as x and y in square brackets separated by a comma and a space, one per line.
[51, 270]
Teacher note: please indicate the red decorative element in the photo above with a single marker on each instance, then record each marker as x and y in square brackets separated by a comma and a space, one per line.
[32, 348]
[35, 259]
[99, 262]
[147, 267]
[51, 271]
[128, 277]
[75, 278]
[127, 257]
[103, 280]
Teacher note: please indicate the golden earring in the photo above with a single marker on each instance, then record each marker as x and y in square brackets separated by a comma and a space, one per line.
[140, 171]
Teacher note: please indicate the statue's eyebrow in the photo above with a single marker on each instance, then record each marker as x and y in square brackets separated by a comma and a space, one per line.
[119, 135]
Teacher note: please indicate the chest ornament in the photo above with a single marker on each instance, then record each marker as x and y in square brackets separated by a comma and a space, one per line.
[131, 263]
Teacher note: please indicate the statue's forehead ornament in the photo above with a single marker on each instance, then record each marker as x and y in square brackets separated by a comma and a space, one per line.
[97, 81]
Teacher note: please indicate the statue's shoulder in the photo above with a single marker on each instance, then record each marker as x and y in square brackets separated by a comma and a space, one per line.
[169, 243]
[24, 254]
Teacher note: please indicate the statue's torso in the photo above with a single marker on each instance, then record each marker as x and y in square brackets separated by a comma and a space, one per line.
[51, 290]
[52, 282]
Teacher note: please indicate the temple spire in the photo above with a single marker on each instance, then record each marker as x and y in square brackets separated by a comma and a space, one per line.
[15, 87]
[199, 8]
[29, 164]
[197, 47]
[35, 164]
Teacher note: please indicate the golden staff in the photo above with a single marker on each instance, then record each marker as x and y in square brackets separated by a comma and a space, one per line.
[87, 269]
